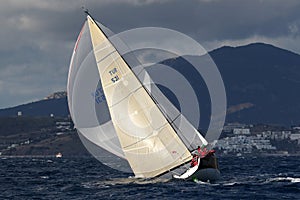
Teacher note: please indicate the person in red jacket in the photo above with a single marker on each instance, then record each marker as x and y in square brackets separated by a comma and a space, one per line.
[202, 152]
[194, 161]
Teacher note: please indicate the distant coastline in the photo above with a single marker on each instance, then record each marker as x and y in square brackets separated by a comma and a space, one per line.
[46, 136]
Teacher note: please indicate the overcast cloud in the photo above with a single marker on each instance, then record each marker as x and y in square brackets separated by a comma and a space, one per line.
[37, 36]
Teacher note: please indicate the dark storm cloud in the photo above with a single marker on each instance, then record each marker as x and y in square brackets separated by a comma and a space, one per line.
[37, 36]
[210, 20]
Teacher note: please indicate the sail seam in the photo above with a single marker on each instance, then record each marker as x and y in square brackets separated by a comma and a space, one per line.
[112, 105]
[146, 136]
[106, 56]
[97, 50]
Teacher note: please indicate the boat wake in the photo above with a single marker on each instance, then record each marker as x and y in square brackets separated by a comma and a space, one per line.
[264, 179]
[206, 183]
[283, 179]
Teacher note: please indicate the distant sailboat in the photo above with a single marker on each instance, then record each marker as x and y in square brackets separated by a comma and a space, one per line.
[58, 155]
[122, 117]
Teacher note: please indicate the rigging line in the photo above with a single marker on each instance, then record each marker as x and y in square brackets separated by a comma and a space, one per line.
[180, 135]
[141, 72]
[163, 110]
[153, 99]
[175, 118]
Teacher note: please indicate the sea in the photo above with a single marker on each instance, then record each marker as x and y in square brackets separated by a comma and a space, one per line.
[251, 177]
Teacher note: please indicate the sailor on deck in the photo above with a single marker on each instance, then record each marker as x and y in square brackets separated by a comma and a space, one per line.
[194, 161]
[202, 151]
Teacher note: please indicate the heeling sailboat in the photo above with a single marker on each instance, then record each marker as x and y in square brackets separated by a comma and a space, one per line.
[150, 141]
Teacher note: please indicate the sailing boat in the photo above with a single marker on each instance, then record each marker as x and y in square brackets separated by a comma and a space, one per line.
[114, 112]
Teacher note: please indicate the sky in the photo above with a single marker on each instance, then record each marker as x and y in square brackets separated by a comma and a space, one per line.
[37, 36]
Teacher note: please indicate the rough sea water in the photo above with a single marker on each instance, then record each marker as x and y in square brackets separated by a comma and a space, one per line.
[268, 177]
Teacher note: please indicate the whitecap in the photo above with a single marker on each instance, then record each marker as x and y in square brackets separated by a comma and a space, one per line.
[231, 184]
[278, 179]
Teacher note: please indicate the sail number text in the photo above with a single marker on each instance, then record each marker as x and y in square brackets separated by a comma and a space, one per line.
[114, 75]
[98, 95]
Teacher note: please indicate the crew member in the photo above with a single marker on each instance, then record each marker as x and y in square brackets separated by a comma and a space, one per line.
[194, 161]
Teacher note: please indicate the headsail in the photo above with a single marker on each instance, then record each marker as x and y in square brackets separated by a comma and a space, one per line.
[87, 108]
[149, 142]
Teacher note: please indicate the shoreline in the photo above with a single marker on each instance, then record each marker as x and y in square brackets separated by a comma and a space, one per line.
[90, 156]
[42, 156]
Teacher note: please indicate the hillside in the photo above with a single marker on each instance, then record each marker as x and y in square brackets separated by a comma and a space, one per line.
[39, 136]
[265, 76]
[55, 104]
[262, 84]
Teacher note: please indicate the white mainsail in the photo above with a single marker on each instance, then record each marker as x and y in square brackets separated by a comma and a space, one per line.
[150, 144]
[128, 123]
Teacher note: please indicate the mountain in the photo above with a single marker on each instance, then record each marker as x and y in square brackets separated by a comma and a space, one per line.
[54, 104]
[264, 76]
[262, 85]
[57, 95]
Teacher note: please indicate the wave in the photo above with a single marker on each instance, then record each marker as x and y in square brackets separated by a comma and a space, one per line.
[283, 179]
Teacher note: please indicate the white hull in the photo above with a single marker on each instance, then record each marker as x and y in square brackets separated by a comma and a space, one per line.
[205, 175]
[199, 173]
[187, 174]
